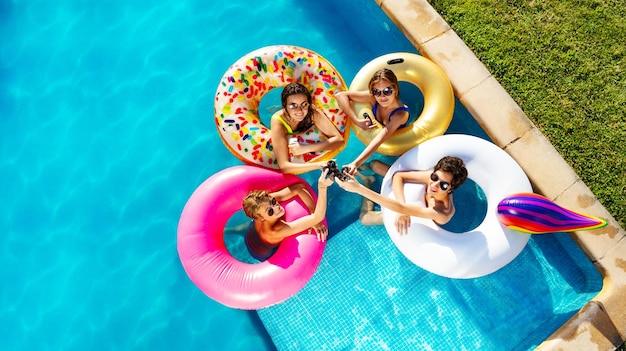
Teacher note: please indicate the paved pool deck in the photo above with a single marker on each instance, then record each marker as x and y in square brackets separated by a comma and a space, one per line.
[601, 323]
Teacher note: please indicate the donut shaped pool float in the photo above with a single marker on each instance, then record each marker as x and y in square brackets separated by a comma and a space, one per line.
[438, 101]
[215, 271]
[244, 84]
[475, 253]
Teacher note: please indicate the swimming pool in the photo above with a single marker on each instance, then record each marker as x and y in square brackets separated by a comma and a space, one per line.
[107, 129]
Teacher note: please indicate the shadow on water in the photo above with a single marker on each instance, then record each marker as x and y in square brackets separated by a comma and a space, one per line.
[471, 207]
[580, 274]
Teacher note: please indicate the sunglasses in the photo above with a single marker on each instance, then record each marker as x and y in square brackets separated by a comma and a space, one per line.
[303, 106]
[442, 184]
[270, 210]
[387, 91]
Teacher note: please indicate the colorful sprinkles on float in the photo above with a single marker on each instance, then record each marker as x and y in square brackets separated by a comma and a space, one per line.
[244, 84]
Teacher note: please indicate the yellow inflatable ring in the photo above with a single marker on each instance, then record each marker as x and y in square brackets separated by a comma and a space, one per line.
[438, 101]
[244, 84]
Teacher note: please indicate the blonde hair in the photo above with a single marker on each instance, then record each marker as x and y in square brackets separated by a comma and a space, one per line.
[386, 75]
[253, 201]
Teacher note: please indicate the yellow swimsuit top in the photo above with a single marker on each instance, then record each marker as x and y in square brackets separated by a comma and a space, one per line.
[280, 118]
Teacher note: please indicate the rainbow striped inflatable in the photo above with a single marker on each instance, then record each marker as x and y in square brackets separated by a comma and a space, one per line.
[534, 214]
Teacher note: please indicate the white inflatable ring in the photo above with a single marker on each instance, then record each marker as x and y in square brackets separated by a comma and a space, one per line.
[480, 251]
[244, 84]
[438, 101]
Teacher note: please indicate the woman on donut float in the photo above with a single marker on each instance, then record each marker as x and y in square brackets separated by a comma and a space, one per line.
[215, 271]
[246, 83]
[383, 96]
[448, 174]
[270, 226]
[298, 115]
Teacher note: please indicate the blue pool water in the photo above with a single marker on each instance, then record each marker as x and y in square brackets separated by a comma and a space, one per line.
[106, 128]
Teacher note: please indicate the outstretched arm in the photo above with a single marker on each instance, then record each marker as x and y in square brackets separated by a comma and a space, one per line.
[408, 209]
[371, 148]
[333, 140]
[314, 219]
[345, 97]
[400, 178]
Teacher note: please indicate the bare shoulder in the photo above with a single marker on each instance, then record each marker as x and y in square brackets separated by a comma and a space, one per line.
[278, 114]
[275, 234]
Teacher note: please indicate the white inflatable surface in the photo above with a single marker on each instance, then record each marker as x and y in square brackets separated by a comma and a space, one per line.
[480, 251]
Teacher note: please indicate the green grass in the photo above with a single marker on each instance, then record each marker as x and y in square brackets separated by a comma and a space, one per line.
[564, 63]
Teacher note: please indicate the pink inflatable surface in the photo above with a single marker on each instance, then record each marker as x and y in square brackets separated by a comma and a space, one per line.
[214, 270]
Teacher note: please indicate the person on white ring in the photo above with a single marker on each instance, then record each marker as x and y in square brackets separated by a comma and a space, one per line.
[448, 174]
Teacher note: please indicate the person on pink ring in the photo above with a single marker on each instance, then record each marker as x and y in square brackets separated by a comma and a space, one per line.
[448, 174]
[270, 227]
[384, 97]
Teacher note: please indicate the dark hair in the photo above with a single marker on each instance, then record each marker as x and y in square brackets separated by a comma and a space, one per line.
[456, 167]
[296, 88]
[385, 74]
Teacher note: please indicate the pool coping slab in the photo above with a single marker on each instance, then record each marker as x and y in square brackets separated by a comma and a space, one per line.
[601, 323]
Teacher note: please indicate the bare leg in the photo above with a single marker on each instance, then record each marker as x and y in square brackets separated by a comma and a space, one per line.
[367, 214]
[379, 168]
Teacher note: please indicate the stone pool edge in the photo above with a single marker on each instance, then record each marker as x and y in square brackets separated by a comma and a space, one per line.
[601, 323]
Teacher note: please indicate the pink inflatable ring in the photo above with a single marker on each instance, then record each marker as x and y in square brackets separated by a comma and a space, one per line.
[215, 271]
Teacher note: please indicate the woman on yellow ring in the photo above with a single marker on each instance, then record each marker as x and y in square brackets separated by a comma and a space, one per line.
[379, 121]
[386, 109]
